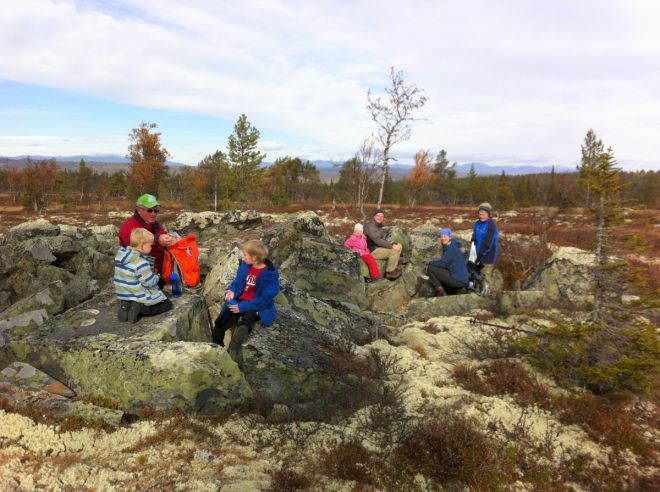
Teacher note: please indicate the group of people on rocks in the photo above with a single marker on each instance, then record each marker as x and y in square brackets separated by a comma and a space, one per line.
[138, 281]
[251, 295]
[448, 274]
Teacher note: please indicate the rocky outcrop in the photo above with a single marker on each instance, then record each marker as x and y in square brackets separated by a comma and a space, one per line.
[31, 312]
[36, 254]
[386, 296]
[27, 390]
[311, 261]
[565, 275]
[207, 225]
[420, 309]
[163, 362]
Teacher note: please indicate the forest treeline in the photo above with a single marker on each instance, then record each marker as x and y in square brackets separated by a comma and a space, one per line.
[43, 185]
[237, 178]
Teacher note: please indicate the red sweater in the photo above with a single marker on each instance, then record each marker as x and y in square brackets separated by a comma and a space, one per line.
[156, 229]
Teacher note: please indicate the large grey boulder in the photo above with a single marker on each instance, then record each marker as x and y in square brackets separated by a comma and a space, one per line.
[420, 309]
[387, 296]
[326, 271]
[311, 261]
[285, 238]
[163, 361]
[567, 275]
[34, 228]
[28, 377]
[36, 254]
[31, 312]
[288, 362]
[209, 224]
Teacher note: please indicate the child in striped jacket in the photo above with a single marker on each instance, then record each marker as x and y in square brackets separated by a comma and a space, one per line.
[136, 282]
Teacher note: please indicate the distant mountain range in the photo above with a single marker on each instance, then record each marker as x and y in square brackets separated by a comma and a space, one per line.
[329, 169]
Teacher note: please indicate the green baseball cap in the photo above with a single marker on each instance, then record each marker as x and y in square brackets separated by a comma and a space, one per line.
[147, 201]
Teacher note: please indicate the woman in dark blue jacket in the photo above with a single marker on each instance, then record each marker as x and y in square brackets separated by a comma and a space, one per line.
[249, 298]
[485, 236]
[449, 273]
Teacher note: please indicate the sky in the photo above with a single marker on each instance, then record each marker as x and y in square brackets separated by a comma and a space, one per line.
[508, 82]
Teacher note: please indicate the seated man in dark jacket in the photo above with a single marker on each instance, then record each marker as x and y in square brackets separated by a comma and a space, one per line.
[381, 248]
[449, 273]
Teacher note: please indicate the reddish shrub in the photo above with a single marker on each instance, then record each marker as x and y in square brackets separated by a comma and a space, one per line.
[349, 461]
[452, 451]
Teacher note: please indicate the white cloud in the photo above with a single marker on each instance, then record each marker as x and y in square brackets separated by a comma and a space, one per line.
[518, 78]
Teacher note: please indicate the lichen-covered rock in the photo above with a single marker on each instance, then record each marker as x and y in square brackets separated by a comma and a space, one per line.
[325, 270]
[34, 228]
[31, 378]
[419, 309]
[33, 257]
[358, 326]
[221, 275]
[288, 361]
[30, 312]
[215, 222]
[151, 362]
[387, 296]
[17, 397]
[565, 275]
[285, 238]
[396, 234]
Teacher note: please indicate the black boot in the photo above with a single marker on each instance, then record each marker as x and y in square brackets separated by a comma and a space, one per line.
[237, 340]
[134, 312]
[218, 333]
[124, 307]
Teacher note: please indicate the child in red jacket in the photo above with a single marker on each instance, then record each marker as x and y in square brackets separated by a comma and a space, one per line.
[358, 243]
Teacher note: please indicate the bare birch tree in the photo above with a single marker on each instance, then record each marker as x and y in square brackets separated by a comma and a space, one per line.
[392, 116]
[367, 158]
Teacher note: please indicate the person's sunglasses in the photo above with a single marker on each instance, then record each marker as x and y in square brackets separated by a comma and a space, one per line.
[152, 210]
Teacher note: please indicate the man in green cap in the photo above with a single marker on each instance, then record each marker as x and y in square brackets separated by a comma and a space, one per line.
[146, 216]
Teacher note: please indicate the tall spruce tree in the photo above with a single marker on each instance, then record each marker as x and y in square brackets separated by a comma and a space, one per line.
[604, 181]
[244, 158]
[592, 149]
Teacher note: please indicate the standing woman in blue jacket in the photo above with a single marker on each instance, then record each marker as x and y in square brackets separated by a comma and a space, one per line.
[449, 273]
[485, 238]
[249, 298]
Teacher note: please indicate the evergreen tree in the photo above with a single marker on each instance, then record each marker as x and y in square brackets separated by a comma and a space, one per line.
[216, 171]
[504, 194]
[84, 181]
[604, 180]
[592, 149]
[472, 185]
[244, 158]
[444, 183]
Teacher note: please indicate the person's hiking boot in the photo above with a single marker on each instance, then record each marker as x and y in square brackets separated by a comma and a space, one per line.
[394, 274]
[124, 307]
[440, 292]
[134, 312]
[403, 260]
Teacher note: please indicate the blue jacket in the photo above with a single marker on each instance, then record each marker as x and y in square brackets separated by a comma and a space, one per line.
[268, 286]
[454, 261]
[485, 237]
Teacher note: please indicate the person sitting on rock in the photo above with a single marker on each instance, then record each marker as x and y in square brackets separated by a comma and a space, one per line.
[380, 248]
[448, 274]
[358, 243]
[485, 239]
[136, 282]
[145, 215]
[249, 298]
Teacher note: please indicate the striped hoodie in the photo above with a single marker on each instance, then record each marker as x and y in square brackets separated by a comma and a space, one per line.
[135, 279]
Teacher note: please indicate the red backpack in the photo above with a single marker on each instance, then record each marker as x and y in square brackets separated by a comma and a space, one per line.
[182, 258]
